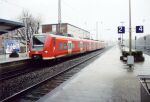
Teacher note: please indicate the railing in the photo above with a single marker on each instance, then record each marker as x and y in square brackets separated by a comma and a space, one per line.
[145, 87]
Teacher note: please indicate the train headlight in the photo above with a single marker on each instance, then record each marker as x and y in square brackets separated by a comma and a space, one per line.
[46, 51]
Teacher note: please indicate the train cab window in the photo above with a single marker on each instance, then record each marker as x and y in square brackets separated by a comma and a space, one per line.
[38, 41]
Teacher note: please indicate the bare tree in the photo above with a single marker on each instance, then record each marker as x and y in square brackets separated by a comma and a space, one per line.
[32, 25]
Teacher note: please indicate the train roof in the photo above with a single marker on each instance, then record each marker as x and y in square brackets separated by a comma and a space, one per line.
[64, 36]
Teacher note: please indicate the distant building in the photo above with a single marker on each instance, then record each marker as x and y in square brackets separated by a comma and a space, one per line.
[66, 28]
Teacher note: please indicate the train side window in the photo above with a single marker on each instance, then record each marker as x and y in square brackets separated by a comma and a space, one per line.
[69, 46]
[65, 46]
[84, 45]
[80, 44]
[73, 45]
[54, 41]
[61, 46]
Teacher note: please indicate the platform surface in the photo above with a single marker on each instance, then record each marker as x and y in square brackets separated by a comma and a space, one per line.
[5, 58]
[107, 79]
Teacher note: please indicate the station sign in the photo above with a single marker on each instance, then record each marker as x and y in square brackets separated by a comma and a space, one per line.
[139, 29]
[121, 29]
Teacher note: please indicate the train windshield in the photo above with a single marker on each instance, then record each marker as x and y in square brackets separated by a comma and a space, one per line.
[38, 42]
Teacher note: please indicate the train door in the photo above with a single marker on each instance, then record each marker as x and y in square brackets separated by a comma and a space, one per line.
[69, 47]
[81, 46]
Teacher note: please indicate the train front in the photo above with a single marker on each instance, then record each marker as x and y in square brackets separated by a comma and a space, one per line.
[38, 47]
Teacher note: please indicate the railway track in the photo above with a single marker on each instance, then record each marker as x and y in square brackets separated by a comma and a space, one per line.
[37, 90]
[13, 73]
[28, 68]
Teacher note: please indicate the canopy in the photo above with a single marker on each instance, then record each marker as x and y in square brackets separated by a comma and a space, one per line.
[7, 25]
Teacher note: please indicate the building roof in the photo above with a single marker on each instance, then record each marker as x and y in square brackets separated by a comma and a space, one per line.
[68, 24]
[7, 25]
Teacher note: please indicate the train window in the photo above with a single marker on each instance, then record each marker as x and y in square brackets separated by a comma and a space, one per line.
[80, 44]
[73, 45]
[84, 45]
[69, 46]
[65, 45]
[61, 46]
[38, 42]
[54, 40]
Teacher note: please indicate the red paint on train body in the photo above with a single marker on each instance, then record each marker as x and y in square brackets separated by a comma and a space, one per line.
[50, 46]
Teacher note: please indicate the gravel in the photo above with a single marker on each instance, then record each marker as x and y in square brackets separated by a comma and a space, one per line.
[14, 85]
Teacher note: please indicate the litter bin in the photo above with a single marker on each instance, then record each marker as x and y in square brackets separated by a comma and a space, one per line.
[14, 54]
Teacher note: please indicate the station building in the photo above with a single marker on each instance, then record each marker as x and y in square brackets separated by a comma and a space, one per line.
[66, 28]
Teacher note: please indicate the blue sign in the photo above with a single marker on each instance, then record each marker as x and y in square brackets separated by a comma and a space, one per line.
[121, 29]
[139, 29]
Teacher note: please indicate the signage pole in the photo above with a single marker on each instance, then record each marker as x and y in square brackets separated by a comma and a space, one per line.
[135, 42]
[97, 30]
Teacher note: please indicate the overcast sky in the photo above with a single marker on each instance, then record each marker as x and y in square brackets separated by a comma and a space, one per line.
[84, 14]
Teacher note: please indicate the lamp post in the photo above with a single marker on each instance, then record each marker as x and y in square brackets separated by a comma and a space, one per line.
[130, 58]
[59, 16]
[135, 42]
[144, 42]
[130, 30]
[122, 36]
[97, 30]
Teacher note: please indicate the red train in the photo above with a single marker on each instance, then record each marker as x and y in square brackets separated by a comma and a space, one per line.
[50, 46]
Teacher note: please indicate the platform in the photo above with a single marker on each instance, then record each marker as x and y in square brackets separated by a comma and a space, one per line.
[7, 63]
[107, 79]
[5, 58]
